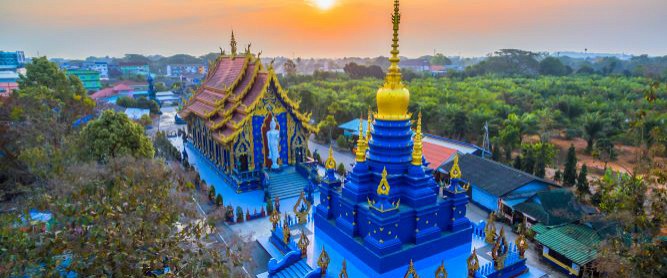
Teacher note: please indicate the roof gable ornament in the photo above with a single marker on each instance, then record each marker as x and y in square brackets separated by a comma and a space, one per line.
[232, 43]
[330, 164]
[455, 172]
[383, 187]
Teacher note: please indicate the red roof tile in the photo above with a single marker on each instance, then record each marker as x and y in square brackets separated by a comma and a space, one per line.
[436, 154]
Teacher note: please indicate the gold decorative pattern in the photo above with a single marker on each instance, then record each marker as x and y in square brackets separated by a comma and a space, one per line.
[383, 187]
[286, 233]
[490, 229]
[302, 215]
[303, 244]
[323, 261]
[521, 244]
[274, 218]
[343, 270]
[417, 148]
[330, 162]
[473, 263]
[441, 272]
[411, 271]
[455, 172]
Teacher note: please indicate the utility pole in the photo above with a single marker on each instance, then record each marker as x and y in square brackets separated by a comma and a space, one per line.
[486, 145]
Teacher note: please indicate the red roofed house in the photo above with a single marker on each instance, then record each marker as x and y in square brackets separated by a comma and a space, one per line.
[229, 116]
[438, 150]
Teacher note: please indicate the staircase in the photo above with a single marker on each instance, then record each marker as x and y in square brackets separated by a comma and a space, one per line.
[299, 269]
[286, 184]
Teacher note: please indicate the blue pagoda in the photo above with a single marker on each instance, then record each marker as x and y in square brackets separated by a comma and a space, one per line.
[389, 211]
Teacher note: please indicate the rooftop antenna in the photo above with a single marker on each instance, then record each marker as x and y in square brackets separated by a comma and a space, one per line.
[486, 145]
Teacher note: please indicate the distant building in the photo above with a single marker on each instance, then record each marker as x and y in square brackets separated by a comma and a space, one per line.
[89, 78]
[554, 207]
[98, 66]
[131, 69]
[181, 69]
[8, 82]
[495, 185]
[11, 61]
[123, 88]
[136, 113]
[416, 65]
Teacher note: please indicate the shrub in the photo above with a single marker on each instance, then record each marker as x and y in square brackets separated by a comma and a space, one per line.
[218, 200]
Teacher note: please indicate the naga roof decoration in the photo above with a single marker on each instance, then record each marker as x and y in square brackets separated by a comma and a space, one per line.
[231, 90]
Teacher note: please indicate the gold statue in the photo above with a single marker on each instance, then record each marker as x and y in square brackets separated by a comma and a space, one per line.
[473, 263]
[330, 164]
[490, 229]
[499, 251]
[232, 43]
[343, 271]
[274, 218]
[302, 216]
[303, 244]
[521, 244]
[361, 144]
[369, 125]
[286, 233]
[323, 261]
[441, 272]
[411, 271]
[383, 187]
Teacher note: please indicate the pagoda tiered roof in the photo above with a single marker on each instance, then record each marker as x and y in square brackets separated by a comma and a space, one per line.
[230, 92]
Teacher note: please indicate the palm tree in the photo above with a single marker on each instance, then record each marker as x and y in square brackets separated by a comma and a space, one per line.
[592, 125]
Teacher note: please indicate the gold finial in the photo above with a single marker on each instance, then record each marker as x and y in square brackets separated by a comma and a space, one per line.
[455, 172]
[323, 261]
[361, 143]
[473, 263]
[275, 218]
[393, 98]
[331, 162]
[393, 79]
[383, 187]
[521, 244]
[441, 272]
[343, 270]
[233, 44]
[302, 216]
[411, 271]
[286, 232]
[417, 148]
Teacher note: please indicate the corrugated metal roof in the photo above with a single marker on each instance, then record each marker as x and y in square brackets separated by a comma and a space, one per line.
[574, 241]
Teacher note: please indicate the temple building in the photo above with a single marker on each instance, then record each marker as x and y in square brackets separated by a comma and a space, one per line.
[243, 121]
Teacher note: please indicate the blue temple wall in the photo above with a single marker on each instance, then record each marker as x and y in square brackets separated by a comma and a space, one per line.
[484, 199]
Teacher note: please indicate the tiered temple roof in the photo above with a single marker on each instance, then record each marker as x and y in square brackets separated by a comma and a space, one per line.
[231, 90]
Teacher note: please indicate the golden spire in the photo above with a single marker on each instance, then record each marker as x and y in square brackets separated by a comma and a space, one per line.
[233, 44]
[361, 143]
[331, 162]
[455, 172]
[441, 272]
[473, 263]
[393, 97]
[411, 271]
[343, 270]
[383, 187]
[417, 148]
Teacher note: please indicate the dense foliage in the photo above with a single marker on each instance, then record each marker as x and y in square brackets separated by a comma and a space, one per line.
[592, 107]
[114, 135]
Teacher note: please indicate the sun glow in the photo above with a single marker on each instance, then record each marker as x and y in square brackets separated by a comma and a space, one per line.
[323, 4]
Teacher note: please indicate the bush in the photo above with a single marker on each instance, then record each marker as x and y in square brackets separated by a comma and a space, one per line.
[269, 206]
[218, 200]
[341, 169]
[211, 193]
[239, 214]
[342, 142]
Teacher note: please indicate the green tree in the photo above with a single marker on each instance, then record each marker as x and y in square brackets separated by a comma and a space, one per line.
[114, 135]
[553, 66]
[218, 200]
[570, 172]
[327, 127]
[582, 181]
[341, 169]
[592, 125]
[510, 138]
[211, 193]
[145, 120]
[440, 59]
[518, 163]
[111, 220]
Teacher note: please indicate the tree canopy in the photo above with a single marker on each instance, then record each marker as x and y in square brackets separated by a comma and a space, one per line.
[114, 135]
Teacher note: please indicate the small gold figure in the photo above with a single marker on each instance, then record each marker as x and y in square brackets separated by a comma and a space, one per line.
[441, 272]
[521, 244]
[343, 271]
[274, 218]
[411, 271]
[286, 233]
[473, 263]
[490, 229]
[303, 244]
[323, 261]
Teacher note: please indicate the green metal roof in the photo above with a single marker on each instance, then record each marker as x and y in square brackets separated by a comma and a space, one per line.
[552, 207]
[576, 242]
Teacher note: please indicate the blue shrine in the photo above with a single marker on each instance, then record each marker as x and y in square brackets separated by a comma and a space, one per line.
[243, 121]
[390, 210]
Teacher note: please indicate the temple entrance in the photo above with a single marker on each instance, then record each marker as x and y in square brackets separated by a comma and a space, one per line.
[298, 154]
[243, 163]
[266, 126]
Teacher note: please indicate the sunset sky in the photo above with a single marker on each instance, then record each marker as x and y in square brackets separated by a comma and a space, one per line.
[330, 28]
